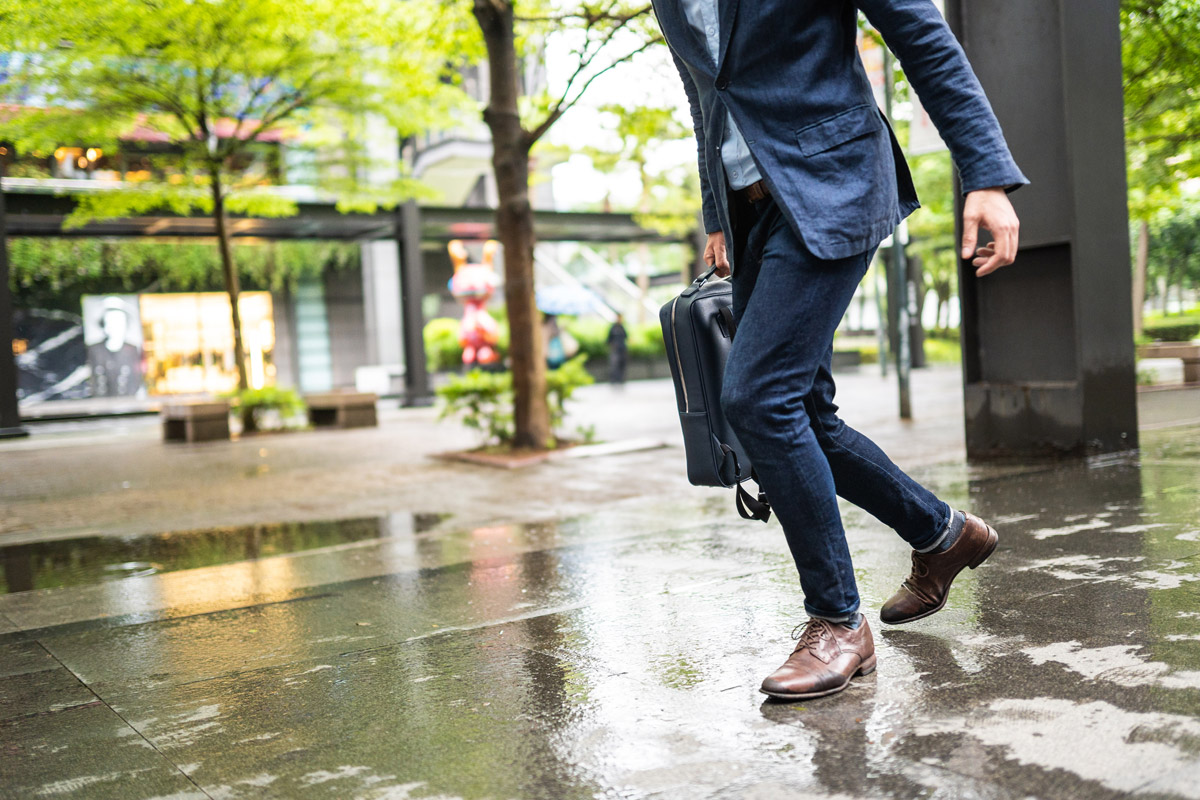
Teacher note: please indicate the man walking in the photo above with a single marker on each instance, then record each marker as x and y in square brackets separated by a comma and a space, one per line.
[801, 179]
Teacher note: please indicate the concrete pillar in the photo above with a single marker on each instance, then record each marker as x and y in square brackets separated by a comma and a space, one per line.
[381, 307]
[1048, 342]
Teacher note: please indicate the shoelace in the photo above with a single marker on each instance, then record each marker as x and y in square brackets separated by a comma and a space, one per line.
[920, 570]
[814, 631]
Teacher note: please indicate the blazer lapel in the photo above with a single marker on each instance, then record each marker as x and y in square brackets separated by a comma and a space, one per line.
[727, 9]
[681, 36]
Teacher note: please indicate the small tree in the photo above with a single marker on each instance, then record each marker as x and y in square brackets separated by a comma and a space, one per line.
[1161, 58]
[1176, 256]
[932, 229]
[213, 80]
[597, 29]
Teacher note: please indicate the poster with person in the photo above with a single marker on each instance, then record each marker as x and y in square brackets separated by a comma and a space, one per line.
[112, 331]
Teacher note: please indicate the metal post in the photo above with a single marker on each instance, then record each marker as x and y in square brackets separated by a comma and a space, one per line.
[412, 290]
[882, 336]
[1048, 355]
[898, 276]
[10, 415]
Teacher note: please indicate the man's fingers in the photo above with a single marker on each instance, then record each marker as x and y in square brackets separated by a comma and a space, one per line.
[970, 235]
[1004, 250]
[1011, 244]
[990, 209]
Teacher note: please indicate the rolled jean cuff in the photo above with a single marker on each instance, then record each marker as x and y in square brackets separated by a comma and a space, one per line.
[942, 530]
[844, 616]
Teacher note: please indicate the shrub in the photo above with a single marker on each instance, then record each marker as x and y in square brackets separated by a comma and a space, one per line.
[646, 341]
[1173, 329]
[484, 400]
[442, 351]
[561, 384]
[592, 335]
[258, 406]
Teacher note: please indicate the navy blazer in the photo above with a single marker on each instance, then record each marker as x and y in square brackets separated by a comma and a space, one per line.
[789, 73]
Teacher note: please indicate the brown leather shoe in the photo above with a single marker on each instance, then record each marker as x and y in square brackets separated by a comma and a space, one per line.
[925, 590]
[827, 656]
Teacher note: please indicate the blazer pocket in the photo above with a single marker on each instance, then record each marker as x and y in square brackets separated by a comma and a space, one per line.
[841, 127]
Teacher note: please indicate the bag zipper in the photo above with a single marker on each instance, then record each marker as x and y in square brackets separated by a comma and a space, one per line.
[678, 360]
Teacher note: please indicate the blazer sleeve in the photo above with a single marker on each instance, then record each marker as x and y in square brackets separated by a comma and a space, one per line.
[712, 222]
[938, 69]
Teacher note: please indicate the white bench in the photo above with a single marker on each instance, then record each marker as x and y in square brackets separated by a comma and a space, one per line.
[195, 421]
[342, 409]
[1188, 353]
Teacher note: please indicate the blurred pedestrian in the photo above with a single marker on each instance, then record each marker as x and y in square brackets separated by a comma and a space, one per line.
[618, 352]
[801, 175]
[552, 337]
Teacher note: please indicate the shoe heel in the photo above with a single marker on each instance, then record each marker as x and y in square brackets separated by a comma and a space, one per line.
[867, 666]
[988, 549]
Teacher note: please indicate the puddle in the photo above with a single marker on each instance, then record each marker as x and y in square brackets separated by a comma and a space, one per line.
[94, 559]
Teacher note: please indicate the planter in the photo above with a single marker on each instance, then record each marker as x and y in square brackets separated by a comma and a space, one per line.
[636, 369]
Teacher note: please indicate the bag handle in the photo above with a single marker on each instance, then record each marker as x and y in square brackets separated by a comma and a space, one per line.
[699, 282]
[704, 278]
[730, 324]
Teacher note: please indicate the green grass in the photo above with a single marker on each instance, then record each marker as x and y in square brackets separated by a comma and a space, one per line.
[937, 351]
[943, 351]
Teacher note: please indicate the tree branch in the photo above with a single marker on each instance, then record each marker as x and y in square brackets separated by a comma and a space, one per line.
[563, 105]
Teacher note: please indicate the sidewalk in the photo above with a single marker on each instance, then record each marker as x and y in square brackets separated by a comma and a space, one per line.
[334, 614]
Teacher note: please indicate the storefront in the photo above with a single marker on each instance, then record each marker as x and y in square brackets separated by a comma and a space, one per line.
[189, 342]
[144, 345]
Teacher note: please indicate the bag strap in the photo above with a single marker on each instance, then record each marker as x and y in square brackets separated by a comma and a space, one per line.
[749, 506]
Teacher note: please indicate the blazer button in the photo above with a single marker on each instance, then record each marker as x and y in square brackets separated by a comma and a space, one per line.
[722, 84]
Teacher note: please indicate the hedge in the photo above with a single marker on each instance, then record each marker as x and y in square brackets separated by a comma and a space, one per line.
[1173, 329]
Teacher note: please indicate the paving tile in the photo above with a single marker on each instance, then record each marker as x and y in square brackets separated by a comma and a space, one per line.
[84, 752]
[467, 715]
[19, 655]
[41, 692]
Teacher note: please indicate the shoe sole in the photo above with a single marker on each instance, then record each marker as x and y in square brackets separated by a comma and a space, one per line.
[865, 668]
[988, 549]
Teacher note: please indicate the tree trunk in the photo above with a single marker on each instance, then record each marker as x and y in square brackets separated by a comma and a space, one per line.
[514, 226]
[1139, 276]
[1166, 293]
[231, 277]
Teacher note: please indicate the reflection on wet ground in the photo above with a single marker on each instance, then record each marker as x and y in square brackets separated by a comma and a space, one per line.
[86, 560]
[619, 654]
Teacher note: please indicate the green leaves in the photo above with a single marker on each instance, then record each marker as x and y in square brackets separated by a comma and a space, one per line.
[45, 268]
[1161, 55]
[484, 400]
[212, 80]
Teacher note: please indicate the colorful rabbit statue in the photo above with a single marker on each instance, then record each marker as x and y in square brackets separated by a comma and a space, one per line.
[473, 285]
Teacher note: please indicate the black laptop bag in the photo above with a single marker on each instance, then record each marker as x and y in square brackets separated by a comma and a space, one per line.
[698, 328]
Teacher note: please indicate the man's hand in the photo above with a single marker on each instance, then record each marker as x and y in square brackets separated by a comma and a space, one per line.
[714, 253]
[990, 209]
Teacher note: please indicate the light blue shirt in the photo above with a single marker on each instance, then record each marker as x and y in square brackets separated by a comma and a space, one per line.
[735, 155]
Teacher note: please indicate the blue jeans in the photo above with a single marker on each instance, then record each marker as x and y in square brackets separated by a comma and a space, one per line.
[778, 397]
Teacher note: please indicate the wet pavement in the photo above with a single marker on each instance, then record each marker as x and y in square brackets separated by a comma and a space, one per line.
[608, 648]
